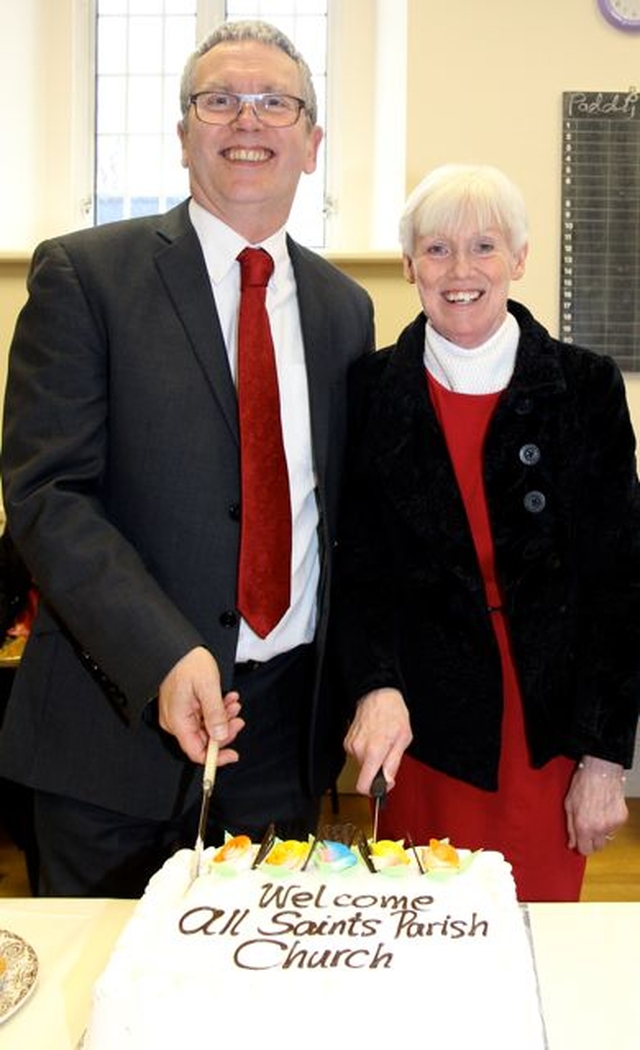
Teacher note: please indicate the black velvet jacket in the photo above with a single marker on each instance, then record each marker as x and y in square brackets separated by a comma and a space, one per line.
[564, 505]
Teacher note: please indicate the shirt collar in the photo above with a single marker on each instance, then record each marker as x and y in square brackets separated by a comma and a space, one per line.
[221, 244]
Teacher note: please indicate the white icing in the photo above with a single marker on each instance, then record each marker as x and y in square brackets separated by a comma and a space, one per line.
[306, 959]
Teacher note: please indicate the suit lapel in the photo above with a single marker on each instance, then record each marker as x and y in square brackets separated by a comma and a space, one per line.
[182, 268]
[320, 363]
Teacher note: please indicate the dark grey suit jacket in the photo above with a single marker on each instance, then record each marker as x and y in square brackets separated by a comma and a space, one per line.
[121, 486]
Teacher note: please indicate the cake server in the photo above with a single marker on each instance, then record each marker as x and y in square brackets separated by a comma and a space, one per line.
[378, 792]
[208, 778]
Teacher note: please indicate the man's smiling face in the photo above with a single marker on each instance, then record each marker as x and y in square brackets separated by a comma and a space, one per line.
[244, 172]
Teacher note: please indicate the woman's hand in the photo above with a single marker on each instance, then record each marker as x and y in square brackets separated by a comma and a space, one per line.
[378, 736]
[595, 804]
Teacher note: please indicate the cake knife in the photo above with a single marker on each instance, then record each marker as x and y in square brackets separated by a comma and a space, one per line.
[208, 778]
[378, 792]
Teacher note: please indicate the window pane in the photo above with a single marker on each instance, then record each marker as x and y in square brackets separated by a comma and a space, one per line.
[311, 7]
[174, 176]
[311, 40]
[114, 7]
[145, 155]
[112, 166]
[146, 7]
[179, 42]
[145, 45]
[273, 12]
[144, 109]
[240, 9]
[112, 46]
[171, 109]
[112, 105]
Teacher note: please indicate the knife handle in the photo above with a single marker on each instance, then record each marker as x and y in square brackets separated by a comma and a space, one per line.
[378, 787]
[210, 764]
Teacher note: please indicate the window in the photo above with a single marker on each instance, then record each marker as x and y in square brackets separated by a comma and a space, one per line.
[141, 47]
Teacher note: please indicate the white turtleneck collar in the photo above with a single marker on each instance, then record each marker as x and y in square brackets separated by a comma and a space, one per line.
[483, 369]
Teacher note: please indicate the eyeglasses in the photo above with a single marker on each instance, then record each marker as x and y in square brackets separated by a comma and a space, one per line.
[222, 107]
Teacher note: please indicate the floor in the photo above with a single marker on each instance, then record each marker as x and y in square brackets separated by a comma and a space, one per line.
[613, 875]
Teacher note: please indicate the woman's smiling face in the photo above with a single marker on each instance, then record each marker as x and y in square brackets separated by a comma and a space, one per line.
[463, 281]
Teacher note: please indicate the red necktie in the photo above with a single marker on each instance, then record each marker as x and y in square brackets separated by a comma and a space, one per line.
[264, 573]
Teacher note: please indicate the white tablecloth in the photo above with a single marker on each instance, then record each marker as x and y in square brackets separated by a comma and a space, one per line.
[586, 956]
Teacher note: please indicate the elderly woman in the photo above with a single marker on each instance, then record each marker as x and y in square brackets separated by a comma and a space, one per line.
[489, 590]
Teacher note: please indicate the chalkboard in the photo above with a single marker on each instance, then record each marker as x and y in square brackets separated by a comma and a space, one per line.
[600, 247]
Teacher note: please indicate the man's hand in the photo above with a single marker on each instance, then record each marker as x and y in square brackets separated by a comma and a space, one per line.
[378, 736]
[191, 707]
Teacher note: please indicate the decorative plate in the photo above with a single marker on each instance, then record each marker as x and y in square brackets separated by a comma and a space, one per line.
[18, 972]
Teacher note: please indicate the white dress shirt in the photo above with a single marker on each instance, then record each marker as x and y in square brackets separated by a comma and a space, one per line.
[221, 246]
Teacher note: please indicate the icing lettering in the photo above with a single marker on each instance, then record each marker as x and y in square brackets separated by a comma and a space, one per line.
[408, 926]
[282, 895]
[293, 923]
[270, 954]
[204, 920]
[285, 927]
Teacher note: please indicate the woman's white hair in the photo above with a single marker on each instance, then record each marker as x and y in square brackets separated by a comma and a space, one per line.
[454, 195]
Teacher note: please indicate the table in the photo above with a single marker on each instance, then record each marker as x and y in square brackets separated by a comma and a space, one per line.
[586, 955]
[72, 939]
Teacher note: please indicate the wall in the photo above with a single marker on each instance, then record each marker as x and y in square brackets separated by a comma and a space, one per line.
[13, 270]
[486, 83]
[21, 141]
[46, 100]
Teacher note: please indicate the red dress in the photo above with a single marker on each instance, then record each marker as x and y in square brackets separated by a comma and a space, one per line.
[524, 819]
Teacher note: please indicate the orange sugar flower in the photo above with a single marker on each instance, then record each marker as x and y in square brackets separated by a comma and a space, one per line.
[233, 848]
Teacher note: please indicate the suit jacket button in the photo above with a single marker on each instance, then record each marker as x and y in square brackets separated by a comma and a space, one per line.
[529, 455]
[229, 618]
[534, 502]
[234, 511]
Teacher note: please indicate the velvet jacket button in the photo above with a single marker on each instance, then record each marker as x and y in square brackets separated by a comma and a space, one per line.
[534, 502]
[529, 455]
[229, 618]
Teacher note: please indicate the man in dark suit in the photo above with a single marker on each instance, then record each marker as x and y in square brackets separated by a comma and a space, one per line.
[122, 489]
